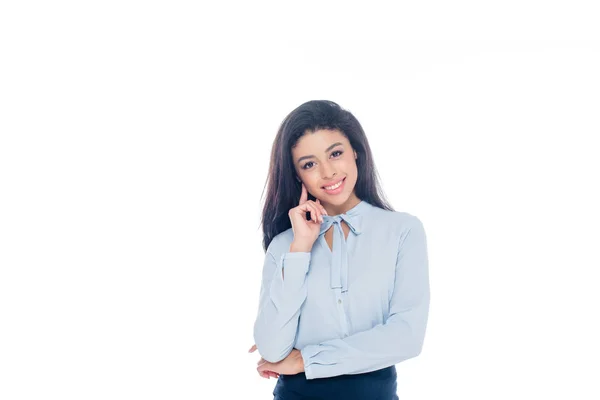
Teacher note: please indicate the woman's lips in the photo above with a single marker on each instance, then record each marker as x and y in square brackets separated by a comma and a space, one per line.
[336, 190]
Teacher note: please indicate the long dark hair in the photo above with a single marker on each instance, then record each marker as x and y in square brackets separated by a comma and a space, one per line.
[283, 189]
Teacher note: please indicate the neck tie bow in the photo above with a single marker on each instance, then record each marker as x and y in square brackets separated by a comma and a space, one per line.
[339, 256]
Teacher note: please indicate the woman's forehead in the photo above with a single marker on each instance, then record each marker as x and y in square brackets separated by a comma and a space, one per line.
[319, 140]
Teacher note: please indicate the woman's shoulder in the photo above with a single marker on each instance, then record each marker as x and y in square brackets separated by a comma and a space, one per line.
[395, 218]
[281, 242]
[393, 223]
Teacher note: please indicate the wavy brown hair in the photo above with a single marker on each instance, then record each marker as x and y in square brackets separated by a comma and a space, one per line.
[283, 190]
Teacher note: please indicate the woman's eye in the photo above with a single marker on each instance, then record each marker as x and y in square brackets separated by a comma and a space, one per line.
[305, 166]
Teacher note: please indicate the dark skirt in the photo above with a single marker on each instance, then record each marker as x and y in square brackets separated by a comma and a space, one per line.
[375, 385]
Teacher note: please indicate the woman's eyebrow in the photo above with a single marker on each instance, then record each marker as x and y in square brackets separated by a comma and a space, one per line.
[326, 150]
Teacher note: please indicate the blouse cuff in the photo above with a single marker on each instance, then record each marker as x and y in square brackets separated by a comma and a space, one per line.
[311, 361]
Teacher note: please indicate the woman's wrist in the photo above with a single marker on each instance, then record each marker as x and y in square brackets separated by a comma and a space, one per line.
[300, 362]
[300, 247]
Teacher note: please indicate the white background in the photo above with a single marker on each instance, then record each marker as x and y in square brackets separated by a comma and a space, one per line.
[134, 146]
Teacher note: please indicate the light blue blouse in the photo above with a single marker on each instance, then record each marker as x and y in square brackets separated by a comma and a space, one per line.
[357, 308]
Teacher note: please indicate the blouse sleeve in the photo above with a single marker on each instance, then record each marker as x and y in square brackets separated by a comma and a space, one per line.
[280, 302]
[400, 337]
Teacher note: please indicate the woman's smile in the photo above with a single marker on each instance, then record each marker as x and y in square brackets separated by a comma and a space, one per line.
[336, 188]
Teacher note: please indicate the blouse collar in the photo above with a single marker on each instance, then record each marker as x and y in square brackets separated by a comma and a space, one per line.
[339, 253]
[352, 217]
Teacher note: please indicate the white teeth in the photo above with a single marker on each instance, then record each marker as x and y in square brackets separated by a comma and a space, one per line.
[337, 185]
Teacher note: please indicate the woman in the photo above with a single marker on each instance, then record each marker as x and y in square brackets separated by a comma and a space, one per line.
[345, 283]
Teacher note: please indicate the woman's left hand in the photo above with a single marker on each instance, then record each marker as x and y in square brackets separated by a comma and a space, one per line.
[291, 365]
[265, 374]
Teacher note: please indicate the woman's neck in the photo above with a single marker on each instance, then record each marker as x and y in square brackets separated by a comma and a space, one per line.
[333, 209]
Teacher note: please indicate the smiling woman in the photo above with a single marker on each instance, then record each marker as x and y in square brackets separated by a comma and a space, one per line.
[345, 283]
[329, 170]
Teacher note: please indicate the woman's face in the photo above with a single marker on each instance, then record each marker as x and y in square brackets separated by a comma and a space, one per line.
[325, 158]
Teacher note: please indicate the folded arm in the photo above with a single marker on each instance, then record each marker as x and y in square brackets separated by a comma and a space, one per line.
[280, 303]
[400, 337]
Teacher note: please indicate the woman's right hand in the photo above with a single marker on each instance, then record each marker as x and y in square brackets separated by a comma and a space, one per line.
[306, 231]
